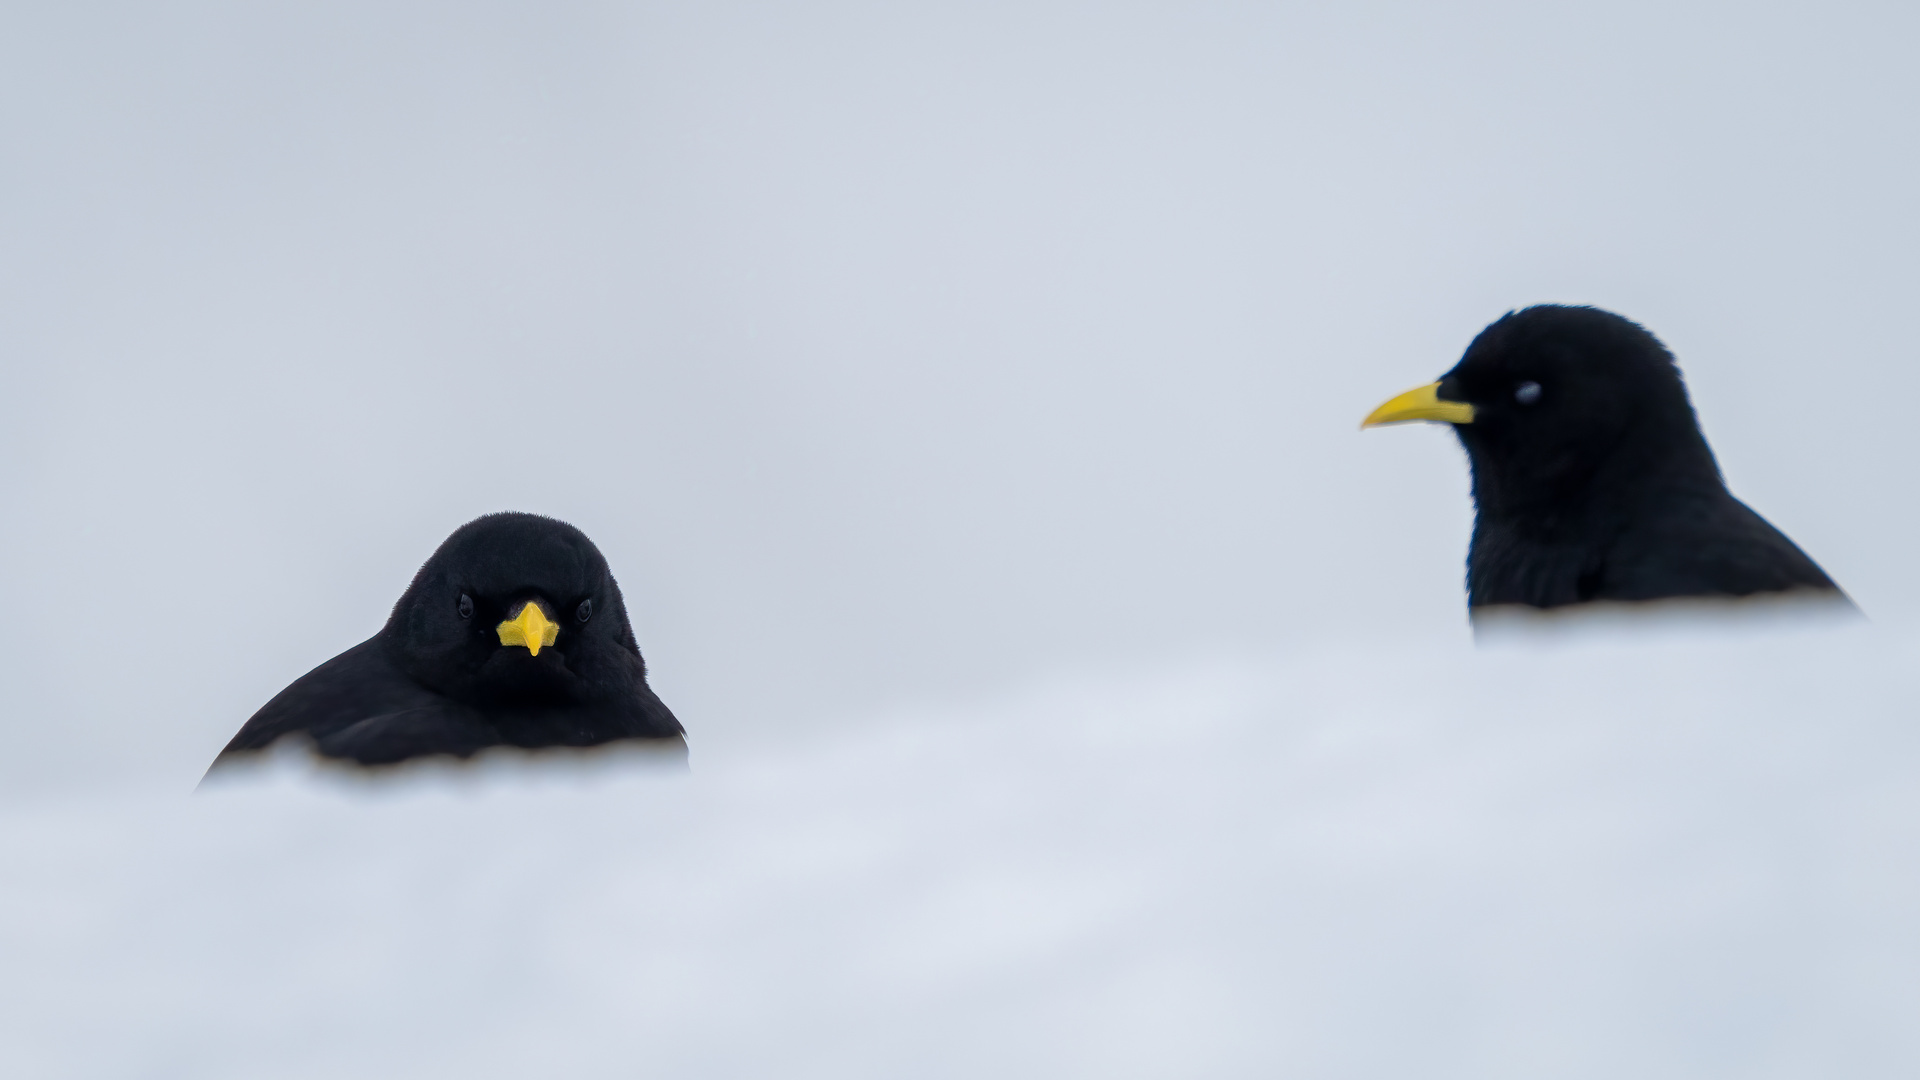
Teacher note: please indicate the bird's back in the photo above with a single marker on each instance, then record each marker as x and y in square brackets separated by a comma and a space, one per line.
[1704, 543]
[360, 706]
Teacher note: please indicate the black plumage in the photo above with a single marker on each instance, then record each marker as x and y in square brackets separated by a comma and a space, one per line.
[1591, 478]
[513, 634]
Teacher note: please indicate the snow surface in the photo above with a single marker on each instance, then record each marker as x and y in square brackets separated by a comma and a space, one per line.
[1673, 856]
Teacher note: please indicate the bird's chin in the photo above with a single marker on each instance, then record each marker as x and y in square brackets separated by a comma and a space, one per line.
[516, 675]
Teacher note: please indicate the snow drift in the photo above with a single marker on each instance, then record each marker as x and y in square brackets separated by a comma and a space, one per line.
[1686, 855]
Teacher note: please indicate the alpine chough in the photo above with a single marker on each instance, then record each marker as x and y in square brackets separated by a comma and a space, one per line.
[1591, 479]
[513, 634]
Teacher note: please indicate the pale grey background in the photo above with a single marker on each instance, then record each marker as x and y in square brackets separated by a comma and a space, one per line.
[892, 353]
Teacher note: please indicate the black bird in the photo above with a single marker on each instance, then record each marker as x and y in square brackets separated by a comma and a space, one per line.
[1591, 479]
[513, 634]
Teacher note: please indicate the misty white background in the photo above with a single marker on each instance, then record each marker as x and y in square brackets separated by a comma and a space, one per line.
[892, 353]
[966, 398]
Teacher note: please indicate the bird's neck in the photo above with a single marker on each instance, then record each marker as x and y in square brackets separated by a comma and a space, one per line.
[1586, 501]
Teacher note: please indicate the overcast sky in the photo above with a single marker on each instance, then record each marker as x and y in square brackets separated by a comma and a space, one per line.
[892, 353]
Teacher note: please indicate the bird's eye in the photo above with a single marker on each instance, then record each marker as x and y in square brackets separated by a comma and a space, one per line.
[1527, 393]
[584, 611]
[466, 606]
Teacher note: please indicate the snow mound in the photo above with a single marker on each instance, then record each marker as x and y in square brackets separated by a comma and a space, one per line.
[1681, 856]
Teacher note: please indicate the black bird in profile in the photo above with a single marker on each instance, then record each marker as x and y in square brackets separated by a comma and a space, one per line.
[513, 634]
[1591, 479]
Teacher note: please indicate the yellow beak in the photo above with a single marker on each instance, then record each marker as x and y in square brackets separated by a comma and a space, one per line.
[531, 628]
[1421, 403]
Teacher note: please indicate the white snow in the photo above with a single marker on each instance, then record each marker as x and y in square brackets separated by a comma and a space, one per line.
[1685, 856]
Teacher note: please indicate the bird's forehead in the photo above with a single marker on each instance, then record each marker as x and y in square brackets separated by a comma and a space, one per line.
[1566, 341]
[507, 565]
[1516, 353]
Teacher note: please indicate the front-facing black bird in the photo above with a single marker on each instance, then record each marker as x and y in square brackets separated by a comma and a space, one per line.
[1591, 479]
[513, 634]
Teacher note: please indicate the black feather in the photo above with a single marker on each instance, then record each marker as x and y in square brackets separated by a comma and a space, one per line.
[435, 681]
[1598, 485]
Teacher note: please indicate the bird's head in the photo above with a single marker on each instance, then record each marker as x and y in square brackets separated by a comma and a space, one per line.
[516, 609]
[1548, 399]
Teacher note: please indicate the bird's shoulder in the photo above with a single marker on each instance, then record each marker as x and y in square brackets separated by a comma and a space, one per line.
[361, 683]
[1709, 544]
